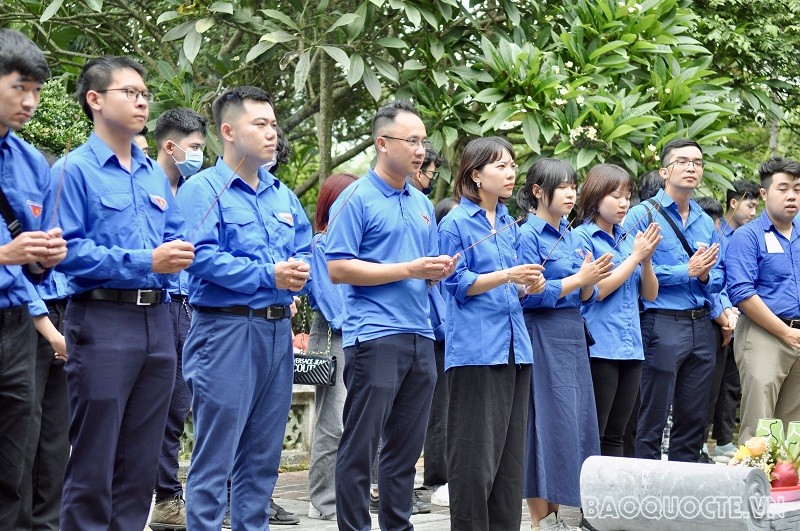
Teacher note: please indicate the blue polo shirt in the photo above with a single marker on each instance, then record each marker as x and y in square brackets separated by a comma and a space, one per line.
[537, 239]
[25, 179]
[113, 218]
[761, 261]
[381, 224]
[614, 321]
[241, 238]
[676, 291]
[481, 327]
[325, 296]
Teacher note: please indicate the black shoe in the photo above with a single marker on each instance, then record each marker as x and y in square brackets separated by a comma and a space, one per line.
[280, 516]
[418, 506]
[226, 521]
[374, 503]
[585, 525]
[705, 458]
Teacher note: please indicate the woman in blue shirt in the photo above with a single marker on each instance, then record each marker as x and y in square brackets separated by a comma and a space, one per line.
[613, 320]
[487, 349]
[562, 422]
[326, 300]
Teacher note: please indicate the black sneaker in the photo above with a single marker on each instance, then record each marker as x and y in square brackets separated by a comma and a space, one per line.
[418, 506]
[226, 520]
[280, 516]
[705, 458]
[585, 525]
[374, 503]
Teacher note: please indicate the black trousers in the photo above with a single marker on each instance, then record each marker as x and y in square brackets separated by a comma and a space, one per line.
[48, 439]
[726, 394]
[436, 436]
[17, 361]
[486, 429]
[616, 384]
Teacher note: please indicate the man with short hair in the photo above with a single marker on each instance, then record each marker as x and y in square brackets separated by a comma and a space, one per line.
[180, 138]
[678, 337]
[29, 246]
[251, 235]
[383, 244]
[762, 265]
[124, 232]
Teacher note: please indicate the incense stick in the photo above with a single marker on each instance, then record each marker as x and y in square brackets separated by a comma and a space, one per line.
[553, 248]
[54, 218]
[493, 233]
[216, 199]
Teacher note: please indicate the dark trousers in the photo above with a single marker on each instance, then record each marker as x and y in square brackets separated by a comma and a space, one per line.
[616, 384]
[726, 400]
[167, 482]
[486, 425]
[48, 439]
[17, 361]
[436, 436]
[120, 374]
[678, 369]
[390, 383]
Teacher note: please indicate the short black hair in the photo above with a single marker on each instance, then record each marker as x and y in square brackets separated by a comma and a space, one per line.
[179, 122]
[777, 165]
[232, 100]
[431, 155]
[97, 75]
[710, 206]
[547, 174]
[649, 185]
[443, 208]
[19, 54]
[674, 144]
[744, 190]
[386, 115]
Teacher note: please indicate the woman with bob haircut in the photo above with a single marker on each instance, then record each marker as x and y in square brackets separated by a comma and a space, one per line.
[613, 320]
[487, 349]
[562, 421]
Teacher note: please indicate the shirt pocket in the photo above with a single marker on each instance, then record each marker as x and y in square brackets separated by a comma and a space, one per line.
[282, 233]
[775, 266]
[241, 230]
[116, 212]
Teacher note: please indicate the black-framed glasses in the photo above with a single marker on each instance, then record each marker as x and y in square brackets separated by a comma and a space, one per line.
[412, 142]
[684, 163]
[432, 175]
[132, 93]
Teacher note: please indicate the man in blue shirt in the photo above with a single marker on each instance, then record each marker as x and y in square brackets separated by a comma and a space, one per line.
[382, 242]
[180, 138]
[762, 265]
[28, 250]
[677, 335]
[251, 236]
[124, 237]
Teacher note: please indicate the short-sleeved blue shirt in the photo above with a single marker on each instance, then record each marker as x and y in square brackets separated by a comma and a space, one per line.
[614, 321]
[375, 222]
[480, 328]
[239, 239]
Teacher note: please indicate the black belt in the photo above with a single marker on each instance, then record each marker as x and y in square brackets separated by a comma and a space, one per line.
[697, 313]
[176, 297]
[139, 297]
[793, 323]
[14, 313]
[270, 313]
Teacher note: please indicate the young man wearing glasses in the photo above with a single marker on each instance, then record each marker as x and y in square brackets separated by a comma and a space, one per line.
[124, 236]
[676, 331]
[383, 244]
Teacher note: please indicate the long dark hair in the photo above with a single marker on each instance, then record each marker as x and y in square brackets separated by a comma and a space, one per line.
[602, 180]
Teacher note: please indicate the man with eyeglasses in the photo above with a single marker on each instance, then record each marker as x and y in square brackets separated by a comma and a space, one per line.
[678, 337]
[124, 236]
[383, 244]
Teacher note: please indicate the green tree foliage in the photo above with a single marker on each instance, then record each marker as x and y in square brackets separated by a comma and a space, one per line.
[59, 121]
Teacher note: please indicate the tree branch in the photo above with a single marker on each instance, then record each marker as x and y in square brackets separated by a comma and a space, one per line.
[341, 159]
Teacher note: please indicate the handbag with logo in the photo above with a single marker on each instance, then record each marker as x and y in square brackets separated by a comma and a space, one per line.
[314, 368]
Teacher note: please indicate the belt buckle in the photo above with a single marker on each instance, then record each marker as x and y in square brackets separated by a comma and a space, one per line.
[794, 323]
[698, 314]
[139, 301]
[273, 316]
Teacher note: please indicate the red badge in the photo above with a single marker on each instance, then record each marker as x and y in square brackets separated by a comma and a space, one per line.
[425, 218]
[36, 208]
[287, 217]
[159, 201]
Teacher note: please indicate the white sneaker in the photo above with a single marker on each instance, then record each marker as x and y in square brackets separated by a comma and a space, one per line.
[441, 496]
[419, 482]
[552, 523]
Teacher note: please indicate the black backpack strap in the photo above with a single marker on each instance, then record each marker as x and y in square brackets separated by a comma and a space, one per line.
[675, 229]
[14, 226]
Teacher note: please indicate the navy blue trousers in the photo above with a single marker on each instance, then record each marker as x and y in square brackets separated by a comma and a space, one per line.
[167, 482]
[678, 369]
[120, 374]
[390, 383]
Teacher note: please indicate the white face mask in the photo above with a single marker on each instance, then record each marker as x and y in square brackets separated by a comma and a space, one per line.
[191, 164]
[271, 164]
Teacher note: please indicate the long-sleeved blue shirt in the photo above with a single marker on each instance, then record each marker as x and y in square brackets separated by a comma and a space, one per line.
[25, 179]
[241, 238]
[438, 311]
[761, 261]
[677, 291]
[113, 218]
[325, 296]
[381, 224]
[538, 239]
[614, 321]
[480, 328]
[53, 287]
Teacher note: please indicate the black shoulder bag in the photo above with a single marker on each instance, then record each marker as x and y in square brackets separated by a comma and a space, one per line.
[675, 229]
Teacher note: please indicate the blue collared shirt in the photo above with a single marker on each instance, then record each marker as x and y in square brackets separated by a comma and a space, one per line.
[538, 239]
[481, 327]
[325, 296]
[53, 287]
[756, 267]
[438, 312]
[239, 239]
[614, 321]
[676, 290]
[381, 224]
[179, 284]
[25, 179]
[113, 218]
